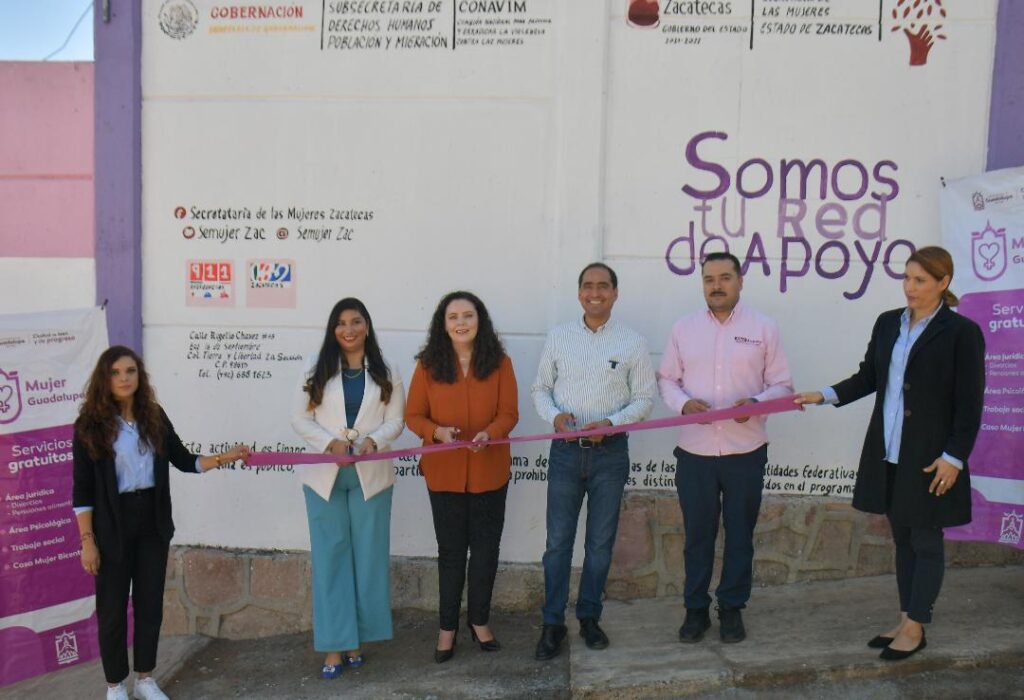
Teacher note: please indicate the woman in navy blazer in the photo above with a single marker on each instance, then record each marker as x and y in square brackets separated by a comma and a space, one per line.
[123, 447]
[926, 366]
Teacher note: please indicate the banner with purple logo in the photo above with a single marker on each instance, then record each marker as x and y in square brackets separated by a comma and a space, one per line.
[983, 228]
[47, 609]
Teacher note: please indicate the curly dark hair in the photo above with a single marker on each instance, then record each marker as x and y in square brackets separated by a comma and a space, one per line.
[331, 359]
[96, 424]
[438, 355]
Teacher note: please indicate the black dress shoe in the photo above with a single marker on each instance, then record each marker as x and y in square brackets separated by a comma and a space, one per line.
[890, 654]
[442, 655]
[695, 625]
[550, 643]
[491, 644]
[730, 625]
[593, 636]
[880, 642]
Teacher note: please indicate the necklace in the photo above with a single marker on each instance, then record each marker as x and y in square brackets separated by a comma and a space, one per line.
[349, 374]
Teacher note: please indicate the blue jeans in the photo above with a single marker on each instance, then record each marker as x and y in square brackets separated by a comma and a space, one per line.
[600, 474]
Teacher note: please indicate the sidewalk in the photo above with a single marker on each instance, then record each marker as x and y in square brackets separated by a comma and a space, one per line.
[804, 641]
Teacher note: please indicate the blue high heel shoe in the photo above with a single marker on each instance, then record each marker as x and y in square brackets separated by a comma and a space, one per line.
[354, 661]
[331, 671]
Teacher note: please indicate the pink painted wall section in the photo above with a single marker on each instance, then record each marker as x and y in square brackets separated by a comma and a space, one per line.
[46, 160]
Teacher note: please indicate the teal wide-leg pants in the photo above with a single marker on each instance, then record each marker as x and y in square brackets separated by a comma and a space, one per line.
[350, 539]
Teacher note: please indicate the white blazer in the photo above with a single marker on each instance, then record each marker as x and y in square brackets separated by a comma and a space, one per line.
[377, 420]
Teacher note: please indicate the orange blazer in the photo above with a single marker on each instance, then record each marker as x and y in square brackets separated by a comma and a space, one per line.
[471, 405]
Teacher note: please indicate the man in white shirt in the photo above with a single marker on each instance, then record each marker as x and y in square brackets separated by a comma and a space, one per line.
[593, 372]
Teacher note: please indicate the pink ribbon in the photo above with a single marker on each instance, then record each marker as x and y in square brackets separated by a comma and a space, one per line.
[761, 408]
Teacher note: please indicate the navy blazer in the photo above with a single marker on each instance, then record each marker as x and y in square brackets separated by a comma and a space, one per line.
[943, 390]
[95, 484]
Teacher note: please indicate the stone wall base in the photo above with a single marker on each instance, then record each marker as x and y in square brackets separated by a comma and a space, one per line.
[245, 594]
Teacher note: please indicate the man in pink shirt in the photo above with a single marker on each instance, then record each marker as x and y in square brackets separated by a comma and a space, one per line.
[725, 355]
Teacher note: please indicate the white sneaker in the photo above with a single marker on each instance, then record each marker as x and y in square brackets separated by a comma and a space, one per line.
[147, 689]
[118, 692]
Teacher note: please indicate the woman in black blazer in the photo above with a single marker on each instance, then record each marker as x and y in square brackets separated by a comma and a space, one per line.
[926, 366]
[122, 448]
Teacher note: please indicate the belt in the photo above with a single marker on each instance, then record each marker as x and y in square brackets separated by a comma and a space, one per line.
[140, 493]
[588, 443]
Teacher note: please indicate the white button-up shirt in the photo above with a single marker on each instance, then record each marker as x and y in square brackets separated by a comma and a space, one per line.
[594, 375]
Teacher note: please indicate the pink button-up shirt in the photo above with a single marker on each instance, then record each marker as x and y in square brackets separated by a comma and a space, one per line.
[722, 363]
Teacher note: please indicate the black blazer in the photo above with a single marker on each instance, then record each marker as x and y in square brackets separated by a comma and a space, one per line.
[943, 389]
[95, 484]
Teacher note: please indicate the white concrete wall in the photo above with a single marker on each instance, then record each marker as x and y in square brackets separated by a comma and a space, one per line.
[503, 169]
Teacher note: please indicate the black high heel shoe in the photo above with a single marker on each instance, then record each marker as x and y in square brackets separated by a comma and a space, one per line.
[442, 655]
[490, 645]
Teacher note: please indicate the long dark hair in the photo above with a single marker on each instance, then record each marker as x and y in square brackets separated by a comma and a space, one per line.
[331, 359]
[97, 426]
[438, 355]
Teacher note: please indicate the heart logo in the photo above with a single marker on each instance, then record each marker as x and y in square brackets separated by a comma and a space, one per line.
[988, 250]
[6, 393]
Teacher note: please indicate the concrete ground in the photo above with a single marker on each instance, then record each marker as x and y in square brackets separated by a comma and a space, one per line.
[804, 641]
[86, 680]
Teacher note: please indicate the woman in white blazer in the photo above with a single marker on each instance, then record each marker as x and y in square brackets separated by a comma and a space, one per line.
[349, 402]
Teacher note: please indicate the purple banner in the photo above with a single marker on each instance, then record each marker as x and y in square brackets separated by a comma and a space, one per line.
[1001, 439]
[37, 524]
[28, 653]
[42, 577]
[997, 475]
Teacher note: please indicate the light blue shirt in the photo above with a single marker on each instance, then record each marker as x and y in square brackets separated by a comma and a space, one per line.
[133, 462]
[892, 406]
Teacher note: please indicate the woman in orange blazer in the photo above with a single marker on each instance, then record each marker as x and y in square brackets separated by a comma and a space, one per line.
[464, 388]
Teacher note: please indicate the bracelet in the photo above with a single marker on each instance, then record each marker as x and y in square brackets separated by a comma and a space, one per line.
[216, 458]
[88, 536]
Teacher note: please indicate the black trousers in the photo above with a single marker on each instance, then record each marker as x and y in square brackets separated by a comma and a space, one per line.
[141, 572]
[920, 565]
[920, 562]
[467, 522]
